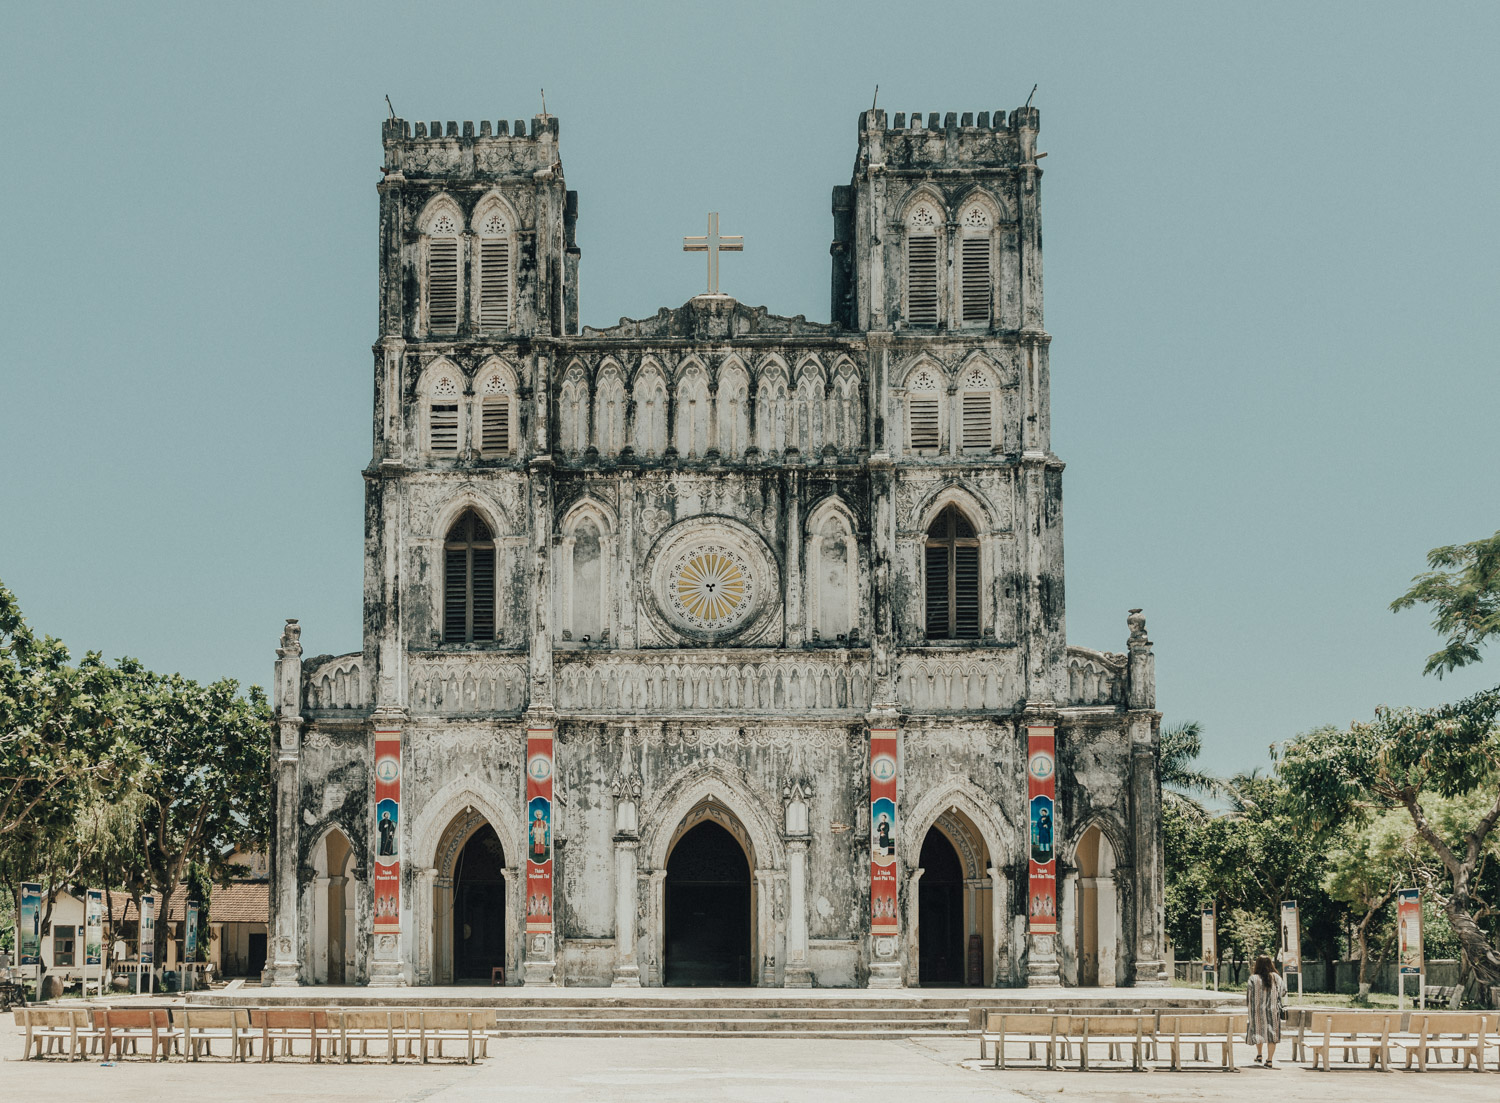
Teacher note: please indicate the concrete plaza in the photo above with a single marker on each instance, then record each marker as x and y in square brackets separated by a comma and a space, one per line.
[744, 1070]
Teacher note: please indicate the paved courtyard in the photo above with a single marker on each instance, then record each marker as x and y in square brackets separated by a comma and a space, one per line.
[744, 1070]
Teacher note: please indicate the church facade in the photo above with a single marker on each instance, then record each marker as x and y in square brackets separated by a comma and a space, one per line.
[716, 647]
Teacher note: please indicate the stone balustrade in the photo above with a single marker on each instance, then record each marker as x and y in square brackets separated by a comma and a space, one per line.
[466, 683]
[959, 681]
[336, 684]
[1095, 677]
[645, 682]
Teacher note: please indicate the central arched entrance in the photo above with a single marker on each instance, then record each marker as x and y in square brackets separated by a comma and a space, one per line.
[479, 907]
[940, 911]
[708, 904]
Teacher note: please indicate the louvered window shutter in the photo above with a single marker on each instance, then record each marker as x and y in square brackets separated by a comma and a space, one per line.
[456, 595]
[966, 592]
[937, 593]
[483, 587]
[975, 278]
[924, 420]
[921, 280]
[442, 284]
[443, 429]
[494, 283]
[977, 419]
[494, 428]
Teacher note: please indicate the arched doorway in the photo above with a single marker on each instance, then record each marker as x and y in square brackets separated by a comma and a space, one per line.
[470, 921]
[706, 934]
[940, 913]
[333, 910]
[479, 907]
[1098, 922]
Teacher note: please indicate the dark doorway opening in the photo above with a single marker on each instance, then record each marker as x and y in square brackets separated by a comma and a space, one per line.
[255, 957]
[707, 930]
[479, 907]
[940, 912]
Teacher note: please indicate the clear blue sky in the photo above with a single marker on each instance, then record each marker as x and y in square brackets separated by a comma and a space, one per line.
[1272, 258]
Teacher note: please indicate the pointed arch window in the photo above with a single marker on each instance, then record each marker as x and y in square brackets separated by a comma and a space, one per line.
[922, 266]
[978, 410]
[494, 272]
[976, 234]
[496, 408]
[443, 417]
[469, 582]
[442, 274]
[952, 577]
[923, 422]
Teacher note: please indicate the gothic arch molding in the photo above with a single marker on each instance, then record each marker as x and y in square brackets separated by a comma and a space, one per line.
[727, 786]
[464, 498]
[979, 512]
[995, 831]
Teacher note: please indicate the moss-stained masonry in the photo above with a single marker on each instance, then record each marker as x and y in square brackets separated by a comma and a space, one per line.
[789, 445]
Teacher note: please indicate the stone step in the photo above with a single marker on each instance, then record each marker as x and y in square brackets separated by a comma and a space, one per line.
[780, 1011]
[864, 1033]
[510, 1023]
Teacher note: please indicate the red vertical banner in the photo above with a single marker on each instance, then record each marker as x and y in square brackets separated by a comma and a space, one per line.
[387, 830]
[539, 830]
[883, 920]
[1041, 770]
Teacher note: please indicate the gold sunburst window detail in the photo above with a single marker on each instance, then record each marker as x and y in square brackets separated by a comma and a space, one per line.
[710, 587]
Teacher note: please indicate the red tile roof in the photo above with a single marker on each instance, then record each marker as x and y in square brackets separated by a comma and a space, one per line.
[237, 902]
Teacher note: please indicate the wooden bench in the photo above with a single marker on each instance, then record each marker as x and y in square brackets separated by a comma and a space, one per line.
[1350, 1031]
[1433, 1031]
[1135, 1031]
[202, 1026]
[55, 1026]
[122, 1026]
[364, 1027]
[289, 1026]
[1001, 1027]
[1202, 1030]
[467, 1027]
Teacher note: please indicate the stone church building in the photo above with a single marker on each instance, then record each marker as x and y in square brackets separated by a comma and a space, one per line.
[716, 647]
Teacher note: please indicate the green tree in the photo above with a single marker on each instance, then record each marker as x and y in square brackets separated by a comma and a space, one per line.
[66, 750]
[1463, 589]
[1181, 744]
[1339, 776]
[205, 780]
[1366, 865]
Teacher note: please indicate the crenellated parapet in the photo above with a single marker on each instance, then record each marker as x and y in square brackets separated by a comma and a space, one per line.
[458, 150]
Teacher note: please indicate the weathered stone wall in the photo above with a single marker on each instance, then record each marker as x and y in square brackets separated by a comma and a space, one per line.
[789, 445]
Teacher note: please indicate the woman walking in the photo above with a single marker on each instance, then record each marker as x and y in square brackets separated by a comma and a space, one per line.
[1265, 994]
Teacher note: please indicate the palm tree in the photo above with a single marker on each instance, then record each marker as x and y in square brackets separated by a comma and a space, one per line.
[1181, 744]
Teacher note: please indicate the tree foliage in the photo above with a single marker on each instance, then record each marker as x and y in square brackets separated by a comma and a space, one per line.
[1463, 590]
[1401, 760]
[118, 776]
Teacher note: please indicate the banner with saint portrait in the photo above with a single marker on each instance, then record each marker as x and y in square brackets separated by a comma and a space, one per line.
[1409, 933]
[1291, 937]
[29, 924]
[539, 831]
[883, 918]
[93, 927]
[1041, 783]
[387, 879]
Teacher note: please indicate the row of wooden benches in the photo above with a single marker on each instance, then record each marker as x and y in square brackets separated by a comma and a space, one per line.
[1425, 1036]
[191, 1031]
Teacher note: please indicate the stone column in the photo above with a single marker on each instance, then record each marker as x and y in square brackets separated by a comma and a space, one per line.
[795, 616]
[798, 970]
[767, 883]
[425, 919]
[627, 973]
[912, 933]
[1000, 936]
[285, 963]
[1108, 923]
[317, 935]
[1145, 810]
